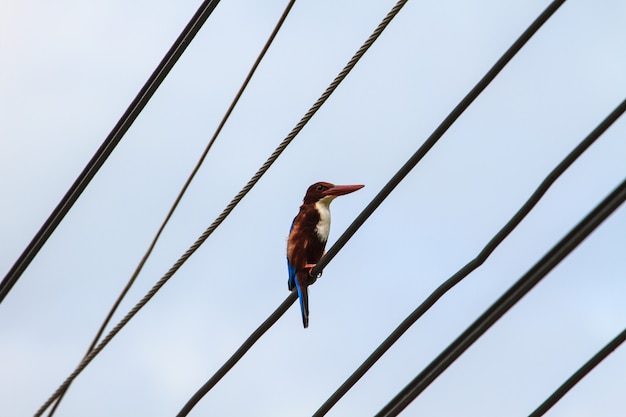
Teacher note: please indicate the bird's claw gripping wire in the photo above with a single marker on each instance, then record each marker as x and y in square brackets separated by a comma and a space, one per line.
[312, 278]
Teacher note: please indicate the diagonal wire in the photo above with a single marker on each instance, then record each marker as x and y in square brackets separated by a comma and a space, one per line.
[107, 147]
[526, 283]
[489, 248]
[579, 374]
[243, 349]
[273, 318]
[438, 133]
[195, 170]
[292, 297]
[229, 208]
[387, 189]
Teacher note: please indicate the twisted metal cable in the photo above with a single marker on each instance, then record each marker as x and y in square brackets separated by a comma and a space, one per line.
[371, 207]
[229, 208]
[184, 188]
[439, 131]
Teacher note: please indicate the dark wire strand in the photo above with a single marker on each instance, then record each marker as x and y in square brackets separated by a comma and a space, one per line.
[243, 349]
[107, 147]
[579, 374]
[387, 189]
[438, 133]
[528, 281]
[270, 321]
[195, 170]
[482, 256]
[229, 208]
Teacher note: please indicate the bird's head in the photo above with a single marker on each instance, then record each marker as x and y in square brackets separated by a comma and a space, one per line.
[326, 192]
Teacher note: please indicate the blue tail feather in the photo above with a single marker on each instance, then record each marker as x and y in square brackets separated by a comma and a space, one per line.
[303, 295]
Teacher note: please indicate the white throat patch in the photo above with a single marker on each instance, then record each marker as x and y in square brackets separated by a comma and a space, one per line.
[323, 226]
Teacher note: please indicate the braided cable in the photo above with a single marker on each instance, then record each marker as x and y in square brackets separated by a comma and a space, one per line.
[229, 208]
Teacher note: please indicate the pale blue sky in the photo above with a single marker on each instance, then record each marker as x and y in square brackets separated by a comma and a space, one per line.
[69, 71]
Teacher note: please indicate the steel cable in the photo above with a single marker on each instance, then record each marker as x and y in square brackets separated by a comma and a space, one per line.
[438, 133]
[229, 208]
[380, 197]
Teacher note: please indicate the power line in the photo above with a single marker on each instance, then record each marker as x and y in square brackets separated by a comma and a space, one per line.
[474, 263]
[579, 374]
[378, 199]
[506, 301]
[107, 147]
[438, 133]
[145, 257]
[243, 349]
[229, 208]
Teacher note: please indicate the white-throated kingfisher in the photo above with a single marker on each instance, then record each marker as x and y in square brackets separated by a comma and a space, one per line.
[308, 236]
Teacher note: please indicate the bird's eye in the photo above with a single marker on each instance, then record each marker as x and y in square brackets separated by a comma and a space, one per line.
[319, 187]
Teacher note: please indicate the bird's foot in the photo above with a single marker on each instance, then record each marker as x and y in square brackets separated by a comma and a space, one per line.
[312, 278]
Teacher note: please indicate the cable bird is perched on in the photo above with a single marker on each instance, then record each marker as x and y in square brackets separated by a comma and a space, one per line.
[308, 236]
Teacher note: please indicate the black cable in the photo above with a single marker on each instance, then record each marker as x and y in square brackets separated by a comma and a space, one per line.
[230, 207]
[474, 263]
[438, 133]
[107, 147]
[386, 190]
[250, 341]
[506, 301]
[579, 374]
[184, 188]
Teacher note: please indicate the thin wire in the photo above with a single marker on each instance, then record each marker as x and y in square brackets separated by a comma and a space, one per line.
[243, 349]
[195, 170]
[229, 208]
[482, 256]
[273, 318]
[506, 301]
[579, 374]
[387, 189]
[107, 147]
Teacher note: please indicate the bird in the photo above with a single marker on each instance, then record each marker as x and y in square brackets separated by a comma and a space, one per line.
[308, 236]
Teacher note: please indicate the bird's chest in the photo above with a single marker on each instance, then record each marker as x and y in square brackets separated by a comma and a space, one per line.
[322, 229]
